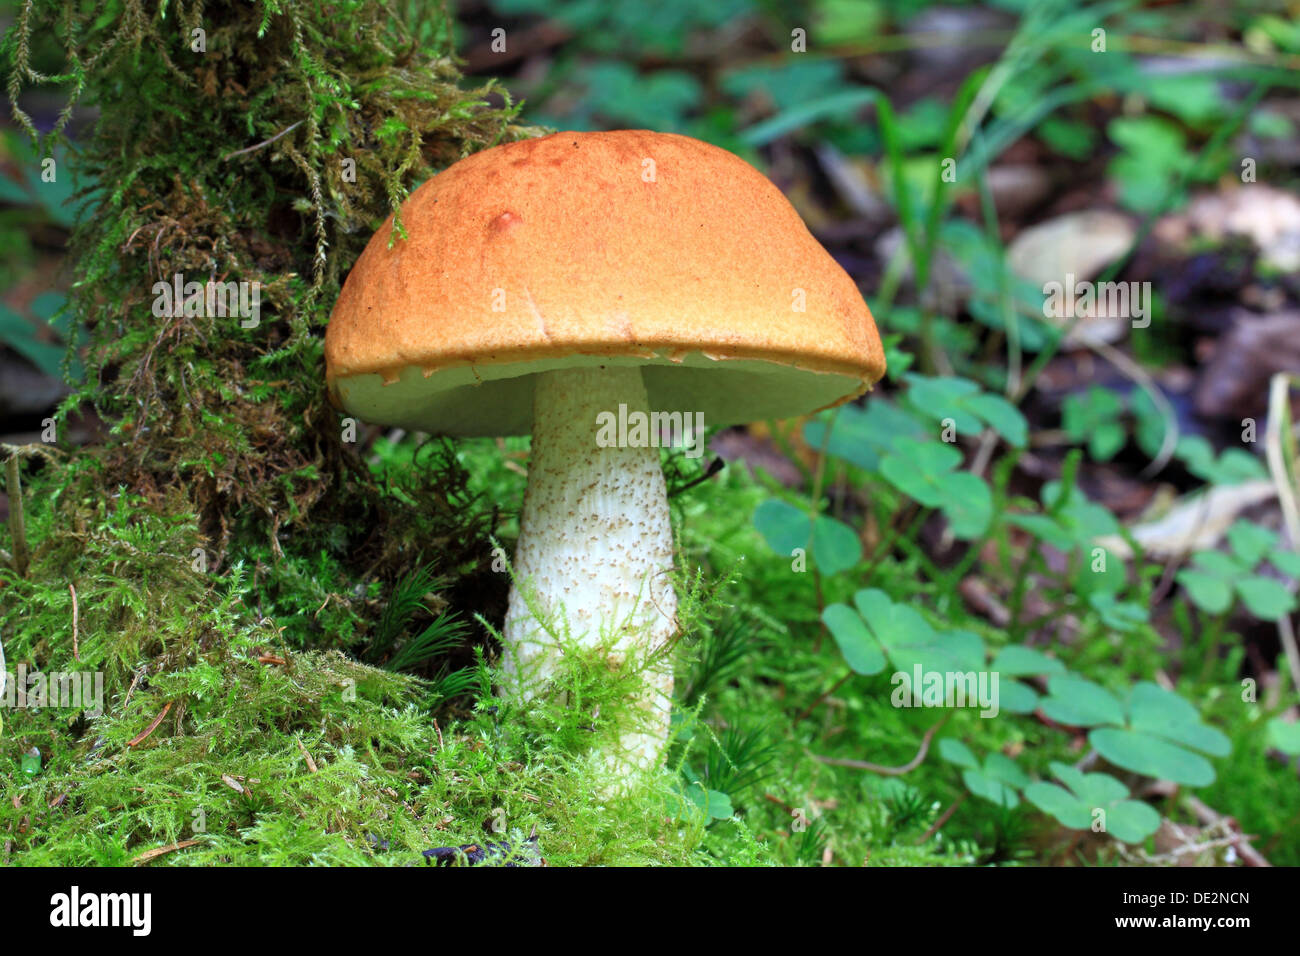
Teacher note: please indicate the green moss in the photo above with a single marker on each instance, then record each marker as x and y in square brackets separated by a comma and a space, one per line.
[228, 764]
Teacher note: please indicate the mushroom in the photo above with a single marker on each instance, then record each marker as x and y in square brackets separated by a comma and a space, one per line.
[590, 288]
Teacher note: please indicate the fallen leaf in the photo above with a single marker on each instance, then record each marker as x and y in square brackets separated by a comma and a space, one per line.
[1073, 248]
[153, 725]
[1195, 522]
[150, 855]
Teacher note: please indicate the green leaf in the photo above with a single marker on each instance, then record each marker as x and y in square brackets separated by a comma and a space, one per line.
[1132, 821]
[1122, 616]
[711, 803]
[1073, 139]
[908, 639]
[1098, 789]
[1127, 820]
[1016, 698]
[716, 805]
[1232, 468]
[854, 640]
[946, 651]
[1154, 710]
[970, 408]
[1154, 154]
[931, 391]
[1001, 416]
[1216, 562]
[1058, 802]
[1236, 466]
[905, 635]
[1001, 767]
[1288, 562]
[1076, 780]
[946, 397]
[784, 527]
[919, 469]
[45, 305]
[844, 103]
[1081, 703]
[990, 789]
[1265, 598]
[1084, 412]
[1106, 441]
[969, 505]
[1151, 425]
[861, 436]
[1044, 529]
[786, 84]
[1284, 735]
[1251, 542]
[954, 751]
[20, 335]
[1151, 756]
[1084, 519]
[1192, 97]
[1016, 660]
[836, 546]
[1208, 592]
[13, 193]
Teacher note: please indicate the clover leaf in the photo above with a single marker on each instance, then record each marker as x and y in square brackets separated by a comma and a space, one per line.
[786, 529]
[1020, 661]
[878, 628]
[919, 468]
[1075, 804]
[1095, 417]
[1121, 616]
[1069, 522]
[1155, 732]
[861, 436]
[1288, 562]
[861, 651]
[996, 781]
[926, 471]
[968, 406]
[1251, 542]
[1216, 579]
[1078, 702]
[695, 798]
[1233, 467]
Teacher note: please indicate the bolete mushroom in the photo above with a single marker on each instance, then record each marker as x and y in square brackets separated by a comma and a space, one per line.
[572, 287]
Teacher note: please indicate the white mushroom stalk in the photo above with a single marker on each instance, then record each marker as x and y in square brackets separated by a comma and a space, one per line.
[594, 559]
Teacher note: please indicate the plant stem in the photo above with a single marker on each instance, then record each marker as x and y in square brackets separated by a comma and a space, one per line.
[821, 697]
[1210, 650]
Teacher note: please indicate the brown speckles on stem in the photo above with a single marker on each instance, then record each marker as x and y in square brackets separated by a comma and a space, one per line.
[595, 537]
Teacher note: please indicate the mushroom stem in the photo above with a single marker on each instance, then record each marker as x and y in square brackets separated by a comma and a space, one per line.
[595, 547]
